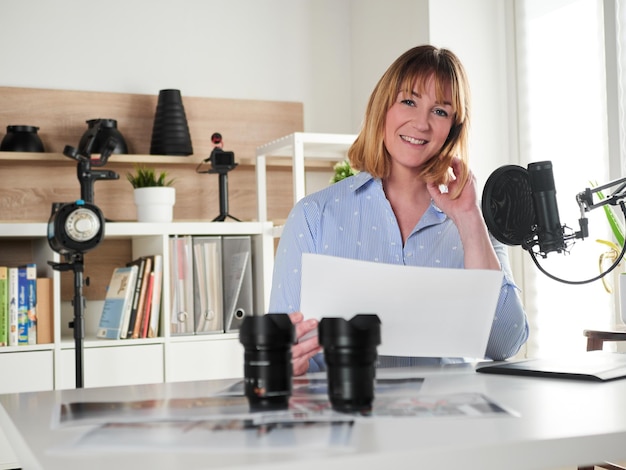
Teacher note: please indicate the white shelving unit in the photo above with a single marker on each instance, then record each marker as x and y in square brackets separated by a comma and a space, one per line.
[299, 147]
[166, 358]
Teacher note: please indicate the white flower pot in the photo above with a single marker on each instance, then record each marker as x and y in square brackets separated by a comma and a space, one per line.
[155, 204]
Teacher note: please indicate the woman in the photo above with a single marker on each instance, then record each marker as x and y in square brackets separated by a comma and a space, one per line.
[414, 201]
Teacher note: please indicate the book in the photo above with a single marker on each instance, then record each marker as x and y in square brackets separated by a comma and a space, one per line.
[181, 285]
[4, 306]
[31, 302]
[118, 302]
[129, 323]
[22, 306]
[45, 328]
[155, 308]
[238, 287]
[143, 288]
[147, 308]
[208, 304]
[13, 294]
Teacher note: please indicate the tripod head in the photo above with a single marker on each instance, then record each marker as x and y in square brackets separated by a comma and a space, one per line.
[86, 175]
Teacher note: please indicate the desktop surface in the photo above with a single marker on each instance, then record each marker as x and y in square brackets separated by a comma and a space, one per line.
[551, 423]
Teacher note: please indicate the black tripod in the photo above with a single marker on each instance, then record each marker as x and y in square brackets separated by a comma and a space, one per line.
[223, 182]
[221, 163]
[76, 264]
[77, 227]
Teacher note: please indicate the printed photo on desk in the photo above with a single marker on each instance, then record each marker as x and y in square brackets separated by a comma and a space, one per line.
[218, 435]
[309, 402]
[224, 424]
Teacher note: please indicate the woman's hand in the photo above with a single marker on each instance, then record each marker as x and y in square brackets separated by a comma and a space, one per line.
[466, 214]
[466, 205]
[305, 348]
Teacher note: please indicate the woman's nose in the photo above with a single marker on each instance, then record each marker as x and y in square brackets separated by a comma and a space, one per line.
[421, 119]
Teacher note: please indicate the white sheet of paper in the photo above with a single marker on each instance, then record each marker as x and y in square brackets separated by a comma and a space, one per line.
[424, 312]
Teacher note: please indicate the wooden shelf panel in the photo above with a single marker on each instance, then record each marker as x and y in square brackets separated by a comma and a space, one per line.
[19, 158]
[61, 116]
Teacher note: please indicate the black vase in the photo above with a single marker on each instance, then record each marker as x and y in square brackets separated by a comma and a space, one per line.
[170, 133]
[22, 139]
[108, 129]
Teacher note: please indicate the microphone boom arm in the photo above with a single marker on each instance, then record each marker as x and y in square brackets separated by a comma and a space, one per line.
[585, 198]
[586, 204]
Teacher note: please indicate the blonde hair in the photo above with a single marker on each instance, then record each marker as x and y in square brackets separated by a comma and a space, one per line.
[413, 69]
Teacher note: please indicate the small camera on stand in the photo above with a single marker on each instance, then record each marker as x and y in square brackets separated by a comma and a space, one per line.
[222, 162]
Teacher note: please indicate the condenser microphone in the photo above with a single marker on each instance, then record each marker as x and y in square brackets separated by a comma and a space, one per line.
[519, 207]
[549, 230]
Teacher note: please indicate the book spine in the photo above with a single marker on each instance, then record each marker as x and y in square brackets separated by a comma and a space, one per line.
[13, 294]
[31, 283]
[4, 306]
[143, 287]
[155, 310]
[22, 307]
[145, 319]
[45, 329]
[128, 332]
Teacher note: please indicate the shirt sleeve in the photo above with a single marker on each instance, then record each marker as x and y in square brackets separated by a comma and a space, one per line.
[510, 324]
[298, 237]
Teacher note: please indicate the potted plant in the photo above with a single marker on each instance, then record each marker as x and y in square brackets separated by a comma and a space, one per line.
[153, 193]
[342, 170]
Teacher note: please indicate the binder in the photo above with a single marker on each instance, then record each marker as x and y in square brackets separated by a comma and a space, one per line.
[181, 285]
[238, 286]
[208, 307]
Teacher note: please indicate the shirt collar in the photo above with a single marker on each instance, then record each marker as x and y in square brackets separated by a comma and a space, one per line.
[432, 215]
[363, 178]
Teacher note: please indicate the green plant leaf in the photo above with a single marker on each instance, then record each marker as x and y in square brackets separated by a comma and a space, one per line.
[342, 170]
[145, 177]
[616, 226]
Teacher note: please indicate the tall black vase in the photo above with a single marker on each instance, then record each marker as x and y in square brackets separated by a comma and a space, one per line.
[170, 133]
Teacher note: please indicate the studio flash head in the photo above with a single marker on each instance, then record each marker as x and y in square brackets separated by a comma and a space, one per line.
[75, 228]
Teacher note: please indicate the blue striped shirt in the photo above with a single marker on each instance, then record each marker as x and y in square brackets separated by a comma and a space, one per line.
[353, 219]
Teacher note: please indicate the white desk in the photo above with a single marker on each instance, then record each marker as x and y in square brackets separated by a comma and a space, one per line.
[561, 423]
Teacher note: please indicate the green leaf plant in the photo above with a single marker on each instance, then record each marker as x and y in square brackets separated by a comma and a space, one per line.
[145, 177]
[342, 170]
[615, 247]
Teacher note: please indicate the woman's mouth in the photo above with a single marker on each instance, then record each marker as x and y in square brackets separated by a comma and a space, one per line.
[412, 140]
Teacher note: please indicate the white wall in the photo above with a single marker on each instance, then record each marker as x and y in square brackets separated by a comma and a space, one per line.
[485, 47]
[327, 54]
[290, 50]
[380, 32]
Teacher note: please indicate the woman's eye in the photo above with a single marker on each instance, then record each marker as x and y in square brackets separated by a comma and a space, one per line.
[408, 102]
[441, 112]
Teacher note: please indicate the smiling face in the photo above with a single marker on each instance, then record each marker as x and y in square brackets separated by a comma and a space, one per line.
[417, 125]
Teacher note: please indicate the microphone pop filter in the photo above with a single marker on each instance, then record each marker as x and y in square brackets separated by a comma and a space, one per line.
[507, 205]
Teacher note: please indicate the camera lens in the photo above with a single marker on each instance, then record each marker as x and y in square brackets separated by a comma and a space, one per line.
[350, 354]
[267, 341]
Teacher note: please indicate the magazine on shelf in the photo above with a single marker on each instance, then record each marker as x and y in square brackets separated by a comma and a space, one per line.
[118, 302]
